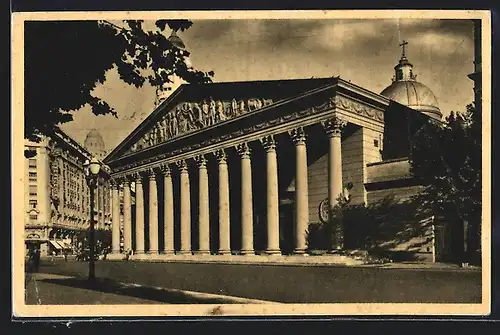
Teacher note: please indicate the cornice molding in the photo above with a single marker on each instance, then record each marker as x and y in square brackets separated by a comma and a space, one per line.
[344, 105]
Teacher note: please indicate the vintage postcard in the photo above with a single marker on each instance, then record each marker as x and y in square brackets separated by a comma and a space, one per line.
[251, 163]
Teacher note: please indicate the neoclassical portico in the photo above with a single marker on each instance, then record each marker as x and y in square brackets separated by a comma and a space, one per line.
[186, 164]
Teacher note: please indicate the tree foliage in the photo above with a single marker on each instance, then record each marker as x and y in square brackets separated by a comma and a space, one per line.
[446, 158]
[65, 60]
[378, 227]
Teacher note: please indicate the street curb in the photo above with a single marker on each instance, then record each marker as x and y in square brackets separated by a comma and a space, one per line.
[416, 267]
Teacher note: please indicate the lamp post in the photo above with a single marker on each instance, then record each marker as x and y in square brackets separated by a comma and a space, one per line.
[95, 174]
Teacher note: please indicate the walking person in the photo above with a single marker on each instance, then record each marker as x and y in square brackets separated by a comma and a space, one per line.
[30, 260]
[65, 255]
[53, 255]
[36, 259]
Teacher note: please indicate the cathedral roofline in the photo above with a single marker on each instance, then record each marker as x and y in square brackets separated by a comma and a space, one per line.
[290, 89]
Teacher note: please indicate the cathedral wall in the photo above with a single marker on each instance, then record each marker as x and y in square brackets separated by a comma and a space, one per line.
[318, 186]
[353, 165]
[357, 150]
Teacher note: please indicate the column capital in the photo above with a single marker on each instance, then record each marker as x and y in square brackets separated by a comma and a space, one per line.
[165, 169]
[201, 161]
[243, 150]
[221, 155]
[298, 135]
[182, 165]
[151, 173]
[333, 126]
[115, 182]
[137, 177]
[268, 142]
[129, 178]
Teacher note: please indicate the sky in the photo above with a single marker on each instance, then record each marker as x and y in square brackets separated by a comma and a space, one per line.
[363, 51]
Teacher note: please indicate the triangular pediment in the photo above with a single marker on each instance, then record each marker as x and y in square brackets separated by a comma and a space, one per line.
[192, 108]
[189, 116]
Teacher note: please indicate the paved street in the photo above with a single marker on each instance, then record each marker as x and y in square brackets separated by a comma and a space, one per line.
[48, 289]
[286, 284]
[53, 289]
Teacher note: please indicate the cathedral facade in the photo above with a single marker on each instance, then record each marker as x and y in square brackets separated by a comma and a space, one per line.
[247, 167]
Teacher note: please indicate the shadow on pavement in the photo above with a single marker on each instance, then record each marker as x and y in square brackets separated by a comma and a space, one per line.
[149, 293]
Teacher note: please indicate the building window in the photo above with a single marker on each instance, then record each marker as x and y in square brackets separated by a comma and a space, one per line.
[33, 217]
[375, 143]
[33, 204]
[32, 163]
[33, 190]
[32, 177]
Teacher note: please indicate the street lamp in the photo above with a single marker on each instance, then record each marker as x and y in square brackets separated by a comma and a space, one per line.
[96, 174]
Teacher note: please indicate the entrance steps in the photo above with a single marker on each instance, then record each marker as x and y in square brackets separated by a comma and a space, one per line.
[304, 260]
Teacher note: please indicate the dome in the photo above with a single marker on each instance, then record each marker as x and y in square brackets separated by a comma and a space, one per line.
[94, 142]
[414, 95]
[406, 90]
[176, 40]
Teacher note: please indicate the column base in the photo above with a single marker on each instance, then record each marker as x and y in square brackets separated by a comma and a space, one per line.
[168, 252]
[202, 252]
[224, 252]
[153, 252]
[114, 257]
[300, 252]
[139, 252]
[273, 252]
[185, 252]
[247, 252]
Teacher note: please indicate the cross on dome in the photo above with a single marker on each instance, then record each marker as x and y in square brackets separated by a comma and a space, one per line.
[403, 45]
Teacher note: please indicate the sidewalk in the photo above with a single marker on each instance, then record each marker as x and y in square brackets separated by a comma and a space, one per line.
[53, 289]
[289, 260]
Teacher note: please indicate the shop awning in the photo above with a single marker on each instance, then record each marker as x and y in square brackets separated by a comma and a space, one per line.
[65, 245]
[55, 244]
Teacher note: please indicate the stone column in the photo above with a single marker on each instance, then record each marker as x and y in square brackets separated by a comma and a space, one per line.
[153, 213]
[203, 213]
[272, 199]
[127, 216]
[301, 190]
[185, 208]
[333, 128]
[139, 215]
[246, 200]
[168, 219]
[115, 226]
[224, 220]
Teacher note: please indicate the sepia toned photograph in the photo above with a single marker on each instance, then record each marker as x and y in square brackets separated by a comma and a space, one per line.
[251, 163]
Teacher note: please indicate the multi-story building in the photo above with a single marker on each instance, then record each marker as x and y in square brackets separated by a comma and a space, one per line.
[56, 193]
[57, 198]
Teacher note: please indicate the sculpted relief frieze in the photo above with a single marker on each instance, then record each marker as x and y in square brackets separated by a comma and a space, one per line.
[359, 108]
[191, 116]
[331, 103]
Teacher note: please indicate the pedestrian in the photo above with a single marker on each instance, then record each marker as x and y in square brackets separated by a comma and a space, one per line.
[36, 259]
[31, 260]
[65, 256]
[53, 255]
[127, 254]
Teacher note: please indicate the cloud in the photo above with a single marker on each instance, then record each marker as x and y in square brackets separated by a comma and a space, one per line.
[442, 43]
[340, 34]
